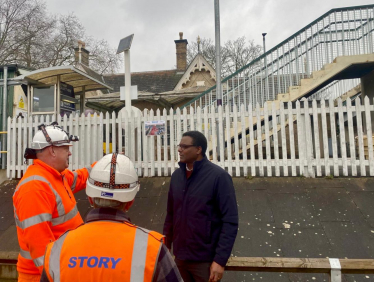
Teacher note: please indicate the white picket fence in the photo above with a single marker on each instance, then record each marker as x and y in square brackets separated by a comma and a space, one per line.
[317, 138]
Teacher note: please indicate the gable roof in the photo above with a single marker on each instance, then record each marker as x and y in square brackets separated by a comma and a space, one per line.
[150, 82]
[198, 63]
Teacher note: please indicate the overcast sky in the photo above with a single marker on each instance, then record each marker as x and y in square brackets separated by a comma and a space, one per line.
[157, 23]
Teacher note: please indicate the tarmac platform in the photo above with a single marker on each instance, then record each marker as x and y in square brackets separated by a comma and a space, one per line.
[278, 217]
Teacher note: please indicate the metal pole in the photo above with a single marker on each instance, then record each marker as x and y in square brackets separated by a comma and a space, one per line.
[127, 81]
[263, 39]
[218, 54]
[4, 128]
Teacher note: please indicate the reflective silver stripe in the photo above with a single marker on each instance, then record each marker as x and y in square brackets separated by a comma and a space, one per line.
[25, 254]
[60, 206]
[74, 181]
[66, 217]
[54, 258]
[36, 219]
[39, 261]
[31, 178]
[89, 168]
[139, 255]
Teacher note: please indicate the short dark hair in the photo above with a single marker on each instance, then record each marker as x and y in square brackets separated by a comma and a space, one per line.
[198, 139]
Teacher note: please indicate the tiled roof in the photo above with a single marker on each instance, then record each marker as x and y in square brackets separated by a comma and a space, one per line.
[151, 82]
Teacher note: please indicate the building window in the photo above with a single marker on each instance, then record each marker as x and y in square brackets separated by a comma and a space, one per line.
[44, 99]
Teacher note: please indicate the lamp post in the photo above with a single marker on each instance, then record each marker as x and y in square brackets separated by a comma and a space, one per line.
[218, 53]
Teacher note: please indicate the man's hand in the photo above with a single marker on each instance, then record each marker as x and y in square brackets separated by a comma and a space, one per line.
[216, 272]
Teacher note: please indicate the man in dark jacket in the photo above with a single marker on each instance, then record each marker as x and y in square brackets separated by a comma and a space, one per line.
[202, 214]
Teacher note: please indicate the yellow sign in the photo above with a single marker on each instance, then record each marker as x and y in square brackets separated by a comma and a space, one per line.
[21, 104]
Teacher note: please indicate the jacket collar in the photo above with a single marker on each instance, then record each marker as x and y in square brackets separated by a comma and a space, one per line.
[48, 168]
[196, 165]
[106, 214]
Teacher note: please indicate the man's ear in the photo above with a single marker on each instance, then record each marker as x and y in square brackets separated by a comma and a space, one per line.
[199, 150]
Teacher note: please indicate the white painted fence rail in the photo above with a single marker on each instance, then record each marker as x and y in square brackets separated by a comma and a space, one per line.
[318, 138]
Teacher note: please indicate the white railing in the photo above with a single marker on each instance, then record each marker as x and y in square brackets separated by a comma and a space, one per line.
[313, 138]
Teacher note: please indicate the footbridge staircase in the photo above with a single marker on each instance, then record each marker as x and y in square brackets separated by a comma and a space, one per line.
[324, 60]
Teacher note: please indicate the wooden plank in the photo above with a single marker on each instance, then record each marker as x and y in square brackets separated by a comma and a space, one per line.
[326, 153]
[228, 139]
[19, 149]
[192, 119]
[139, 130]
[100, 144]
[360, 138]
[107, 133]
[220, 138]
[158, 140]
[267, 141]
[199, 121]
[259, 140]
[145, 144]
[244, 141]
[333, 137]
[236, 142]
[275, 137]
[352, 147]
[95, 138]
[298, 265]
[269, 264]
[120, 131]
[300, 138]
[89, 160]
[172, 141]
[282, 114]
[151, 146]
[369, 134]
[114, 134]
[343, 149]
[251, 139]
[25, 141]
[165, 138]
[316, 138]
[179, 129]
[308, 138]
[82, 140]
[292, 139]
[214, 135]
[132, 136]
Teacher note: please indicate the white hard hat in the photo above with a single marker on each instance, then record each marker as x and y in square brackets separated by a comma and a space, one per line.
[114, 178]
[50, 135]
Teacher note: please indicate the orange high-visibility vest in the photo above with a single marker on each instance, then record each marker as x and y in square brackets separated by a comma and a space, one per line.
[104, 251]
[44, 208]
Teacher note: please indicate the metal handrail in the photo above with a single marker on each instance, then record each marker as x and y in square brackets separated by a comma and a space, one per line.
[339, 32]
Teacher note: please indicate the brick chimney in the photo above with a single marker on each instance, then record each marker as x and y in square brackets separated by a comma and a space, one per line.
[82, 55]
[181, 46]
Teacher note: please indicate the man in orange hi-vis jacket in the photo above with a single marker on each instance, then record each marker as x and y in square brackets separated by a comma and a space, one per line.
[44, 204]
[108, 247]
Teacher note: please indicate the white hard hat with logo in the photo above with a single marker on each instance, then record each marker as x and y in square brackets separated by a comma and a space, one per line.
[113, 178]
[51, 135]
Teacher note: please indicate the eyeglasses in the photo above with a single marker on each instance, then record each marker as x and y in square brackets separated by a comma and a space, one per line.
[183, 146]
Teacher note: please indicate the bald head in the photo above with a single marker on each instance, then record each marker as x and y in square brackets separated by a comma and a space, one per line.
[55, 156]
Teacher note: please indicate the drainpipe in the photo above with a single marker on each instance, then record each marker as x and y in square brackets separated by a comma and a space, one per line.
[5, 98]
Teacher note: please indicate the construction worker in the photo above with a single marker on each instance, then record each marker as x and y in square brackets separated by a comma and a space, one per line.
[44, 204]
[109, 247]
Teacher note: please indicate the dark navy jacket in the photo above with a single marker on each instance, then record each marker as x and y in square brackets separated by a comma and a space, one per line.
[202, 214]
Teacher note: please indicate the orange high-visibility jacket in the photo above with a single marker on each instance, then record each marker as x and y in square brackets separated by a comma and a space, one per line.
[45, 208]
[104, 251]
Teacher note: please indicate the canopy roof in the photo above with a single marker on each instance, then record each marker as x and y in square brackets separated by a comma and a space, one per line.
[78, 76]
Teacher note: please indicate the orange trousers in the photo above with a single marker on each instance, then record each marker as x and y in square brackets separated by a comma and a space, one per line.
[24, 277]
